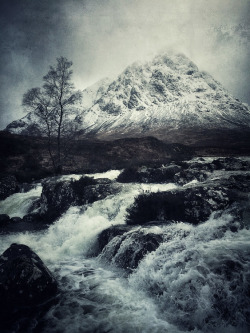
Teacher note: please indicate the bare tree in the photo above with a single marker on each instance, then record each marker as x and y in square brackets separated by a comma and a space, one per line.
[52, 105]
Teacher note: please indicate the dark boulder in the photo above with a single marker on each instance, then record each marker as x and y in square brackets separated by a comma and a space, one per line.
[26, 187]
[239, 182]
[199, 164]
[16, 219]
[33, 218]
[126, 247]
[129, 175]
[24, 279]
[230, 164]
[193, 205]
[97, 192]
[222, 163]
[108, 234]
[200, 170]
[58, 196]
[4, 220]
[182, 172]
[102, 181]
[164, 174]
[189, 175]
[8, 185]
[30, 222]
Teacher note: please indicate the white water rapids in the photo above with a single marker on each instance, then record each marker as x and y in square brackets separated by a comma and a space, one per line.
[172, 290]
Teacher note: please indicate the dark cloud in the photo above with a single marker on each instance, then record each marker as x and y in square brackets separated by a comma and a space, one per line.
[29, 38]
[102, 37]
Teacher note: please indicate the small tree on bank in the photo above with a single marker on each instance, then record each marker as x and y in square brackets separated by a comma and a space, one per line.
[52, 105]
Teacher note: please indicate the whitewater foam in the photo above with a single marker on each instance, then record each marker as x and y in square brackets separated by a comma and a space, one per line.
[18, 204]
[198, 276]
[196, 280]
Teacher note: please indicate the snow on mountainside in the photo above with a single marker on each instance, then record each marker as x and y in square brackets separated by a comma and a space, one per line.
[92, 94]
[167, 93]
[28, 125]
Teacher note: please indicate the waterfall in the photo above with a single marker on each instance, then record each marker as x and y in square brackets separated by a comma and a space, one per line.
[196, 280]
[18, 204]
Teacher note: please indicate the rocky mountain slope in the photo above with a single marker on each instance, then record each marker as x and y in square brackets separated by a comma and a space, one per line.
[167, 94]
[29, 124]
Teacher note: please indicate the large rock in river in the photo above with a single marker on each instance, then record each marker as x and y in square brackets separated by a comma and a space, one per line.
[24, 279]
[126, 246]
[58, 196]
[193, 205]
[164, 174]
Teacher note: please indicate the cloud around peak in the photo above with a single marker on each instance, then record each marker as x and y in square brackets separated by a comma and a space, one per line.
[103, 37]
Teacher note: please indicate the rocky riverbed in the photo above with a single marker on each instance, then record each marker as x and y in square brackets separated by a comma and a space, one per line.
[143, 249]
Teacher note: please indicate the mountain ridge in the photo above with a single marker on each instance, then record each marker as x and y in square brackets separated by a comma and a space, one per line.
[168, 93]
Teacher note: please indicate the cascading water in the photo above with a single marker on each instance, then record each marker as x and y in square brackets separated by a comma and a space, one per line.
[199, 276]
[197, 280]
[18, 204]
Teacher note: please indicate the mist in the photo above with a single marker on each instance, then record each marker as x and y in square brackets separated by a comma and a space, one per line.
[103, 37]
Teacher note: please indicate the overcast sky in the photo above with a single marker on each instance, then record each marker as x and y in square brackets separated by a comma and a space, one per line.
[102, 37]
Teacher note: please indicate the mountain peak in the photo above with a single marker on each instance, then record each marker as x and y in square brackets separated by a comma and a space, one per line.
[168, 92]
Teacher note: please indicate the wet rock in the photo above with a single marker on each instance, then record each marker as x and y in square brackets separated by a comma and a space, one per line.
[140, 244]
[4, 220]
[103, 181]
[32, 218]
[193, 205]
[237, 182]
[8, 185]
[16, 219]
[30, 222]
[230, 164]
[108, 234]
[97, 192]
[26, 187]
[126, 247]
[223, 163]
[189, 175]
[24, 279]
[163, 174]
[57, 197]
[182, 173]
[129, 175]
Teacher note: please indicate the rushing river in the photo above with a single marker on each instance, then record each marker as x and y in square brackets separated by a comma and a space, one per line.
[173, 289]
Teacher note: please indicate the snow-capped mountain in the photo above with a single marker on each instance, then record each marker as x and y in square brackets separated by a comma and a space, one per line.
[167, 93]
[93, 93]
[29, 125]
